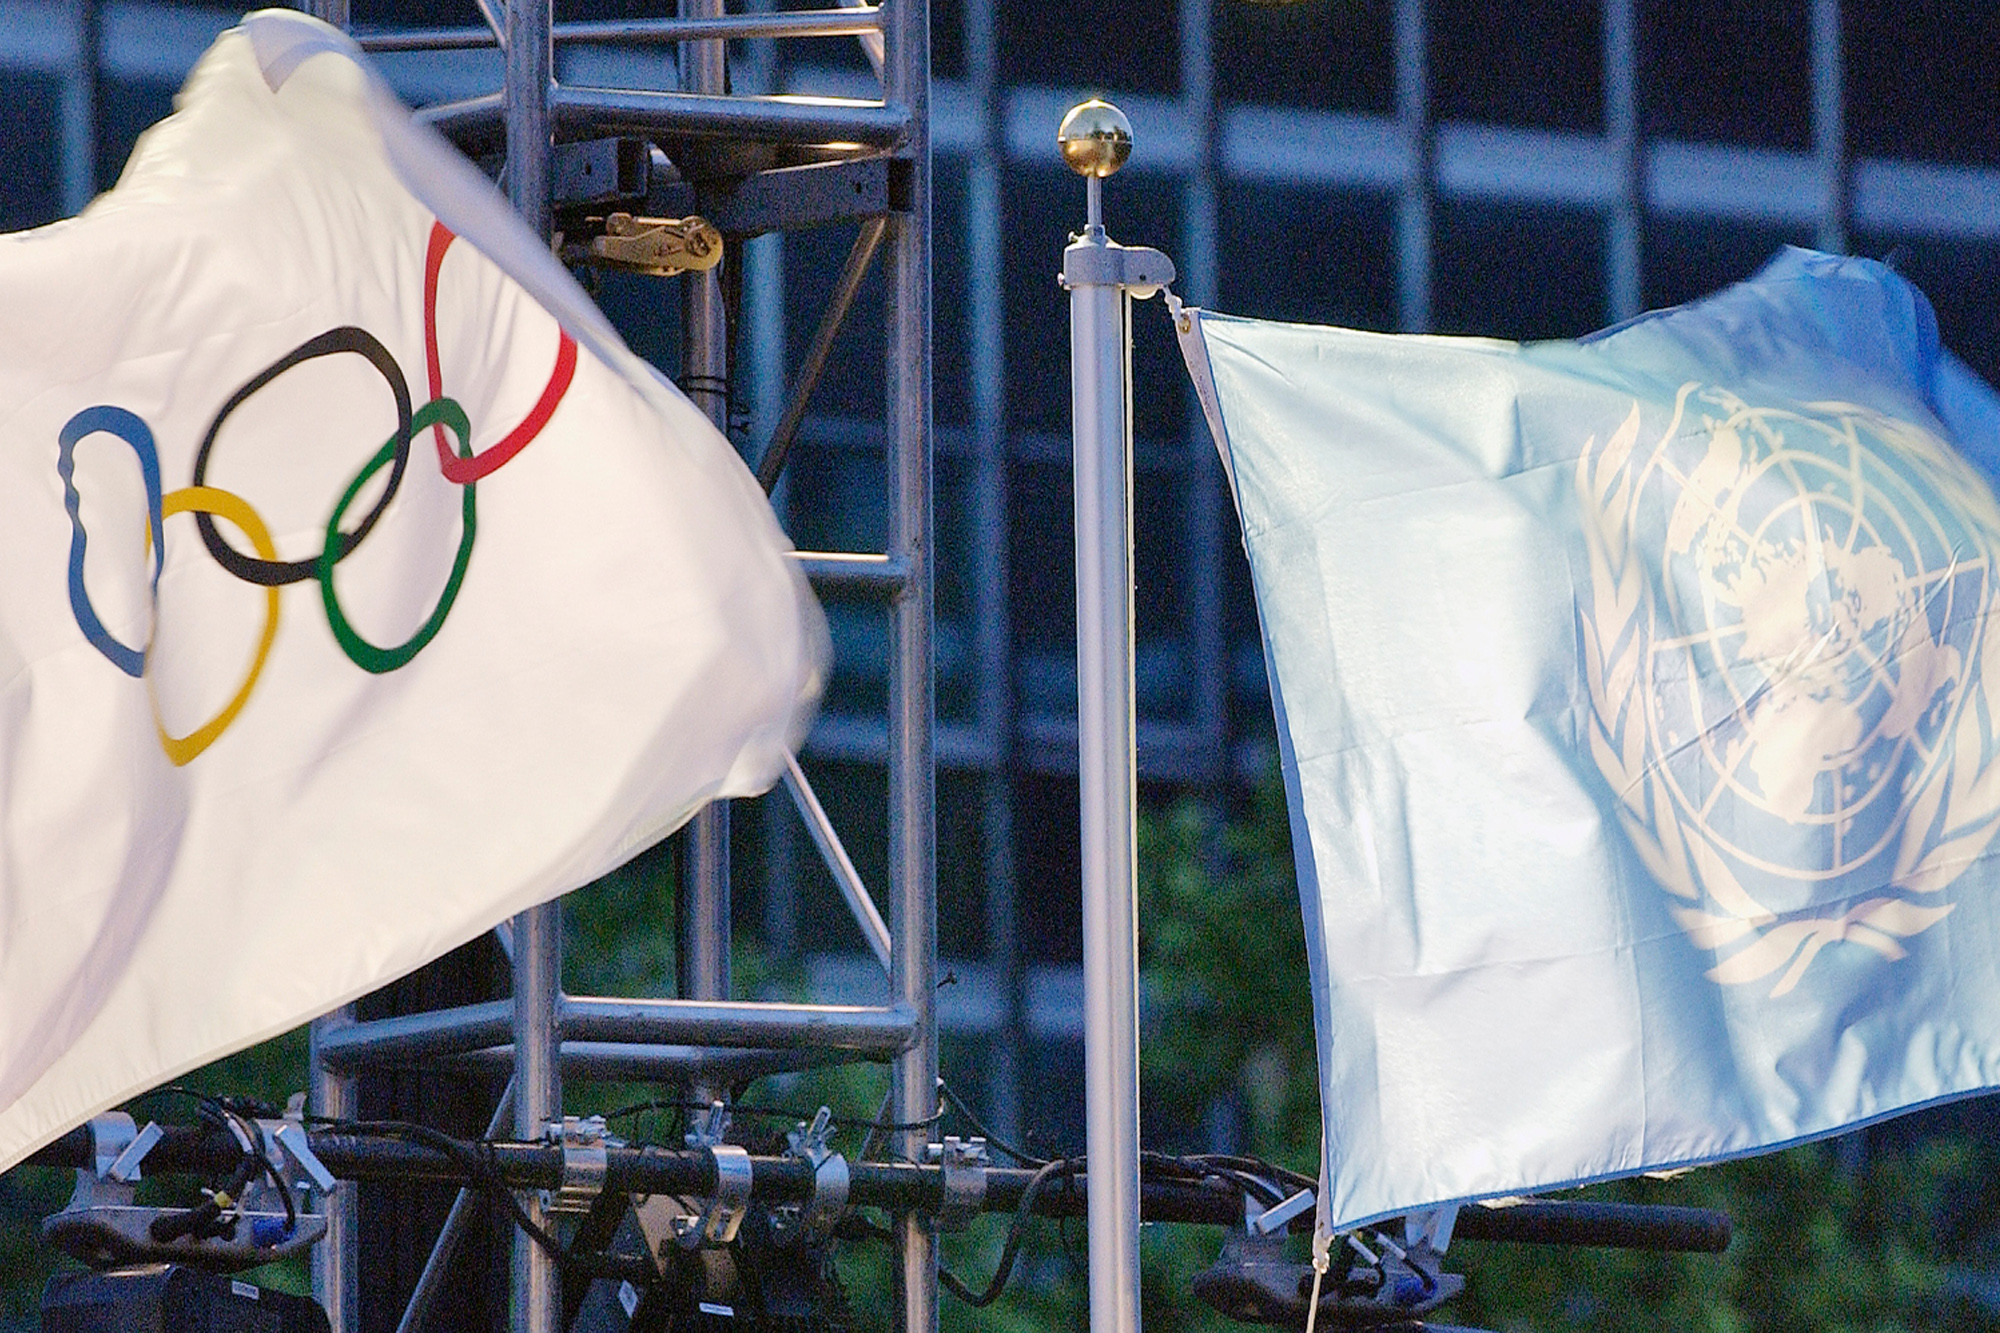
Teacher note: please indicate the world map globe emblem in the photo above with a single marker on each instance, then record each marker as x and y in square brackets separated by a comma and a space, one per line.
[1803, 604]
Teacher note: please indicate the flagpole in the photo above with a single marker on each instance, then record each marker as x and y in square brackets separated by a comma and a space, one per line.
[536, 1298]
[1100, 274]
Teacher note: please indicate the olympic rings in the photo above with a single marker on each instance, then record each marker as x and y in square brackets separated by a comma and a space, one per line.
[129, 428]
[264, 568]
[442, 412]
[344, 339]
[468, 468]
[203, 501]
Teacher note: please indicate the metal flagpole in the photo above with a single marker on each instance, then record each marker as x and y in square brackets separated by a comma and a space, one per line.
[906, 271]
[702, 895]
[537, 1304]
[1095, 140]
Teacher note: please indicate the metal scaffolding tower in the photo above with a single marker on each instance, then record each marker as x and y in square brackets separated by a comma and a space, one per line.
[750, 164]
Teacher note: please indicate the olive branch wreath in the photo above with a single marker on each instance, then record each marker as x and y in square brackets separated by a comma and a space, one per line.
[1947, 827]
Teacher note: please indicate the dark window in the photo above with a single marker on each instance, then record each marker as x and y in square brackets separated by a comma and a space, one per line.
[1685, 259]
[1528, 62]
[1962, 280]
[1049, 864]
[1920, 79]
[1322, 53]
[31, 146]
[951, 296]
[1505, 271]
[126, 109]
[1726, 71]
[1042, 207]
[1041, 589]
[1101, 46]
[1309, 256]
[853, 384]
[1162, 590]
[955, 571]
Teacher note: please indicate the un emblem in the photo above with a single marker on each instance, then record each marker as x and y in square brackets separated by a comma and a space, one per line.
[1784, 644]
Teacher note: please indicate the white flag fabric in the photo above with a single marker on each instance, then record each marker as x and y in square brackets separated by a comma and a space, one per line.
[1637, 725]
[358, 587]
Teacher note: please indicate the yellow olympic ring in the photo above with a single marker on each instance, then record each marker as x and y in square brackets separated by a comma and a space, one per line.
[224, 505]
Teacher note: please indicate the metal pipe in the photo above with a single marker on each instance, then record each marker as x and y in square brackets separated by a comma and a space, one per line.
[336, 1272]
[411, 1038]
[701, 899]
[859, 256]
[1830, 125]
[854, 572]
[877, 1031]
[79, 108]
[777, 119]
[529, 64]
[906, 82]
[653, 1063]
[431, 1281]
[827, 839]
[908, 1185]
[1100, 397]
[537, 1299]
[855, 22]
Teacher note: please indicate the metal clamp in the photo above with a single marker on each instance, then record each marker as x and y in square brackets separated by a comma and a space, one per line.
[584, 1163]
[1139, 269]
[657, 246]
[964, 1163]
[811, 1221]
[722, 1212]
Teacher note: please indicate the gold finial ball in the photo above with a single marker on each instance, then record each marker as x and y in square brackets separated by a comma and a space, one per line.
[1095, 138]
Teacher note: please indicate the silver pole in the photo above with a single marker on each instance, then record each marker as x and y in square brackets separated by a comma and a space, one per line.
[79, 108]
[1095, 139]
[335, 1260]
[537, 1305]
[702, 896]
[912, 781]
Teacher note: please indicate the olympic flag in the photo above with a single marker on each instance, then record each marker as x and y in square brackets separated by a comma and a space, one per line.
[1637, 722]
[358, 588]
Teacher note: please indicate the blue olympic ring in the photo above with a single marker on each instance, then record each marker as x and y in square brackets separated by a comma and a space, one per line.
[129, 428]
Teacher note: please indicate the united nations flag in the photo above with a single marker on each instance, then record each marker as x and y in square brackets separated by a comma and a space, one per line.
[1639, 710]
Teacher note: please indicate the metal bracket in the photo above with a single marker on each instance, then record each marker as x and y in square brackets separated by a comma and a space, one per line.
[582, 1141]
[657, 246]
[1265, 1221]
[721, 1213]
[809, 1222]
[1138, 269]
[964, 1162]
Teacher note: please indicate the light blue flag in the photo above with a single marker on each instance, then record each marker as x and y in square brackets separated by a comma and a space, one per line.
[1639, 721]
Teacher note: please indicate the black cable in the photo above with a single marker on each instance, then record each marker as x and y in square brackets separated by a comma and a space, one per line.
[775, 1113]
[1067, 1167]
[958, 1105]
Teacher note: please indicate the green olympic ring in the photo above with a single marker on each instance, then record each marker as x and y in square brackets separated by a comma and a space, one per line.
[369, 657]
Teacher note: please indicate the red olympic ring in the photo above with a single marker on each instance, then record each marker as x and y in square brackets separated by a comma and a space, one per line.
[466, 470]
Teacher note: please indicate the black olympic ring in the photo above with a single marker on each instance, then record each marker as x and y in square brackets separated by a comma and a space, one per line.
[274, 573]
